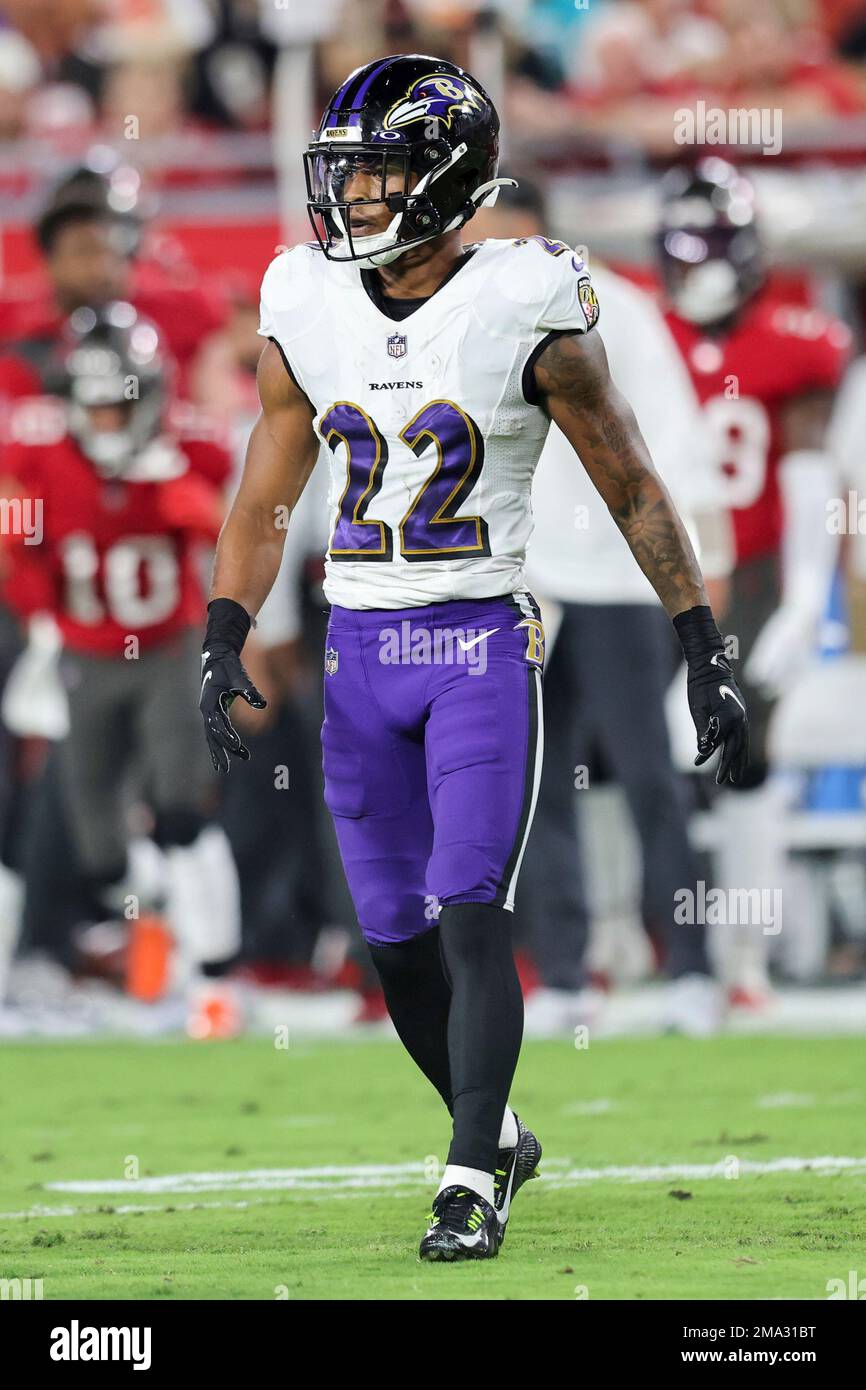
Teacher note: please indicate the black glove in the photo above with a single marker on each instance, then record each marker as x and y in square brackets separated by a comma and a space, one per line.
[715, 700]
[223, 678]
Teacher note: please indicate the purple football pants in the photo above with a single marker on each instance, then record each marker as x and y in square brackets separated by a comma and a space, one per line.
[432, 746]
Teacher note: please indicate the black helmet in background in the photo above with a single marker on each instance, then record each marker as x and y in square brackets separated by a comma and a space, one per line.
[115, 382]
[104, 186]
[708, 245]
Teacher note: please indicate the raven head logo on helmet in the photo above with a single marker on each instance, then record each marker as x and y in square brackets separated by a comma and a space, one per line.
[708, 245]
[438, 95]
[408, 148]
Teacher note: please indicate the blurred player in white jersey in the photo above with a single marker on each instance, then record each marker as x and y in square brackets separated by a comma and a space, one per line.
[847, 436]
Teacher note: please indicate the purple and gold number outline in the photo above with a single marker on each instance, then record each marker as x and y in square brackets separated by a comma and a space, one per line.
[360, 492]
[332, 438]
[418, 442]
[553, 248]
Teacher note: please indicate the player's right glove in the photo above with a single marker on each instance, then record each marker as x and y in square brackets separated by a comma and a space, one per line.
[223, 679]
[715, 700]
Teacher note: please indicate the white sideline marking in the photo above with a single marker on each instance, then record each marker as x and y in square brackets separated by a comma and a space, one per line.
[589, 1107]
[331, 1176]
[332, 1183]
[130, 1209]
[360, 1179]
[696, 1171]
[140, 1209]
[784, 1100]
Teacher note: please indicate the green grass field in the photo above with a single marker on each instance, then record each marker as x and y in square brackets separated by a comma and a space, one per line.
[197, 1124]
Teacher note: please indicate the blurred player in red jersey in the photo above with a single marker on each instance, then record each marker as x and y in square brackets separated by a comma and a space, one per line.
[765, 373]
[117, 515]
[90, 237]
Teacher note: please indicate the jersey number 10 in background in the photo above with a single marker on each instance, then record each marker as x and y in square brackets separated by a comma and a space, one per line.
[430, 529]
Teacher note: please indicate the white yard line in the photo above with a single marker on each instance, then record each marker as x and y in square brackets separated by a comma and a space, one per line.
[601, 1106]
[332, 1182]
[129, 1209]
[794, 1100]
[332, 1176]
[786, 1100]
[662, 1172]
[139, 1208]
[360, 1180]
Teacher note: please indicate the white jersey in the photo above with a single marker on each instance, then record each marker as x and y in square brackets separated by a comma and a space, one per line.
[578, 554]
[431, 441]
[845, 441]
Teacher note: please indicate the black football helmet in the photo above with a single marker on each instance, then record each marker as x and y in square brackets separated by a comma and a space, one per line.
[112, 356]
[102, 184]
[418, 124]
[708, 245]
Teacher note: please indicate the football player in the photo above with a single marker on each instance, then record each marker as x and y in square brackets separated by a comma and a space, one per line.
[91, 256]
[765, 373]
[119, 518]
[846, 437]
[430, 370]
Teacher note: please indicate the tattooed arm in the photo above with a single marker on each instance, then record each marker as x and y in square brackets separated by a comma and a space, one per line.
[576, 391]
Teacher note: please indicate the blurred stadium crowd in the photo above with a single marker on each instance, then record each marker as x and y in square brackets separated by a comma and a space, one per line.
[149, 168]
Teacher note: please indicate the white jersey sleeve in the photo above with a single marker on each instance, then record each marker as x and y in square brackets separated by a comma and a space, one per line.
[572, 306]
[538, 287]
[287, 310]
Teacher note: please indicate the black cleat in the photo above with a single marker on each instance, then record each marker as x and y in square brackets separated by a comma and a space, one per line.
[463, 1226]
[514, 1167]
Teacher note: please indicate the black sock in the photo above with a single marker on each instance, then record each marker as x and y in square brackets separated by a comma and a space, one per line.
[217, 969]
[418, 997]
[485, 1026]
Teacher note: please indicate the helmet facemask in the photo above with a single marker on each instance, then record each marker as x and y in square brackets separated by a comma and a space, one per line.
[113, 452]
[396, 178]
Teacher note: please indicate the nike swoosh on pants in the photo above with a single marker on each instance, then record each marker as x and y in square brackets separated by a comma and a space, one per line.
[475, 640]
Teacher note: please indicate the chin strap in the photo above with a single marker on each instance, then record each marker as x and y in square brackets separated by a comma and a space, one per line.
[486, 194]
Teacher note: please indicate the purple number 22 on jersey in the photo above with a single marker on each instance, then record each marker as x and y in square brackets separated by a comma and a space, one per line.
[430, 530]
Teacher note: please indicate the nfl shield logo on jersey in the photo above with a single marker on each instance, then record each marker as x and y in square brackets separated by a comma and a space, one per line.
[332, 661]
[397, 345]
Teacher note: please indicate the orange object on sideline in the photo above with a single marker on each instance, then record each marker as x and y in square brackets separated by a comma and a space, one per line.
[213, 1011]
[149, 953]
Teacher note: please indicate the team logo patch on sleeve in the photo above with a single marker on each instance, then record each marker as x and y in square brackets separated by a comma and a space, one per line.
[588, 301]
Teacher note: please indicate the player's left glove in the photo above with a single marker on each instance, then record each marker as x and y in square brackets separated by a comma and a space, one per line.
[223, 679]
[715, 700]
